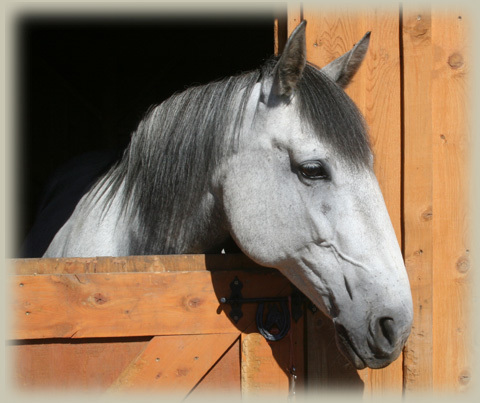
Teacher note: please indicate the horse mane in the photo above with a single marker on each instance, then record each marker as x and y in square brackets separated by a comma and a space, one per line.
[165, 169]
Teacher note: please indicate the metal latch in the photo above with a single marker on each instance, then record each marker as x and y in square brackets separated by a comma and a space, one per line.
[273, 315]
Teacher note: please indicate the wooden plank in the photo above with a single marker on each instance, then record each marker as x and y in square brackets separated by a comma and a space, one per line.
[294, 16]
[256, 359]
[174, 364]
[327, 367]
[131, 264]
[418, 177]
[280, 29]
[376, 91]
[266, 365]
[452, 276]
[132, 304]
[224, 377]
[73, 364]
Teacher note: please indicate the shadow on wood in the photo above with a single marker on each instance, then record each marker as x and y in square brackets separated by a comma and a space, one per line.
[312, 349]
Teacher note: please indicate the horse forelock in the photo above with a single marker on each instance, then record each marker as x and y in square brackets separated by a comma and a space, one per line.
[333, 117]
[176, 147]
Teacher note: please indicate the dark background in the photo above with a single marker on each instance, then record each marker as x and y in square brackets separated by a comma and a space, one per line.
[85, 82]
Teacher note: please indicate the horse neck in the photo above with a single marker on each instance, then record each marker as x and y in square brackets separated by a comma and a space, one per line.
[183, 229]
[168, 172]
[187, 231]
[94, 228]
[172, 158]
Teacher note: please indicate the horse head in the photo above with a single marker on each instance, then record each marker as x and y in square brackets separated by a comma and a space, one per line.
[299, 194]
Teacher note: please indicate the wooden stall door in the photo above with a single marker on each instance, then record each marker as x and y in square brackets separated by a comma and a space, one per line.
[146, 323]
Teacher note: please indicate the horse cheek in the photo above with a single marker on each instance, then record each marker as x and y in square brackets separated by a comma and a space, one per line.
[256, 210]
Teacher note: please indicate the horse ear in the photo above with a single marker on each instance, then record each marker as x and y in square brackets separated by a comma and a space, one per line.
[342, 69]
[289, 68]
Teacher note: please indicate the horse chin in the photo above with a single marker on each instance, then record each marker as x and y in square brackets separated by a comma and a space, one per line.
[346, 347]
[351, 356]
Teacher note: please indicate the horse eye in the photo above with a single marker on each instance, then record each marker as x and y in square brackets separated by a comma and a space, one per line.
[314, 170]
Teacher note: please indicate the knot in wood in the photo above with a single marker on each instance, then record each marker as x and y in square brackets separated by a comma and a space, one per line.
[182, 372]
[99, 298]
[464, 377]
[427, 215]
[455, 61]
[463, 264]
[420, 30]
[194, 302]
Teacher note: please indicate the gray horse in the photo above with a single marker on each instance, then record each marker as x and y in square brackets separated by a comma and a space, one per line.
[278, 160]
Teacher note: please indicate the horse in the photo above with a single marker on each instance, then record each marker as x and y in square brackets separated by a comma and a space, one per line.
[276, 161]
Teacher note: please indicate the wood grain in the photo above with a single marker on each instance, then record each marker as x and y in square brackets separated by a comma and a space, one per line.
[224, 377]
[123, 264]
[436, 214]
[280, 29]
[452, 277]
[61, 365]
[256, 357]
[327, 368]
[294, 17]
[131, 304]
[127, 303]
[174, 363]
[266, 365]
[418, 188]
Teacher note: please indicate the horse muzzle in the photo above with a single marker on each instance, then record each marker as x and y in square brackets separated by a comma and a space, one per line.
[380, 344]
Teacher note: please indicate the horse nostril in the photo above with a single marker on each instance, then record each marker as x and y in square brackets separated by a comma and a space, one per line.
[387, 335]
[387, 329]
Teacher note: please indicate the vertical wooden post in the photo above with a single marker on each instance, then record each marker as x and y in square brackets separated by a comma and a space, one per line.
[280, 30]
[436, 63]
[294, 16]
[417, 202]
[451, 152]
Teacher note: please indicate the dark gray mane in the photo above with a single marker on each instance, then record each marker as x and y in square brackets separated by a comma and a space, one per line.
[167, 166]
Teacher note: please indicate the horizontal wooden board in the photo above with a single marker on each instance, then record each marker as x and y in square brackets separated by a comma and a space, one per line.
[132, 304]
[62, 364]
[154, 263]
